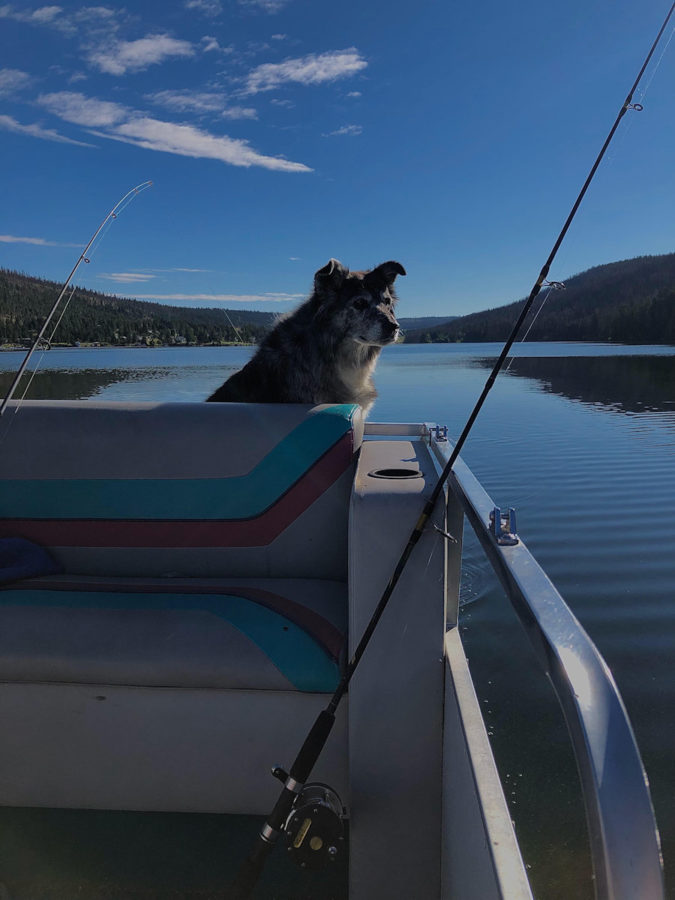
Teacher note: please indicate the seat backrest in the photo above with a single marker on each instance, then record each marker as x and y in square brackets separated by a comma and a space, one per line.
[182, 489]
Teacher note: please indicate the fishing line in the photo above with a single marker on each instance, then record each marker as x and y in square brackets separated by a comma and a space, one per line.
[83, 258]
[643, 90]
[236, 330]
[639, 106]
[301, 769]
[552, 286]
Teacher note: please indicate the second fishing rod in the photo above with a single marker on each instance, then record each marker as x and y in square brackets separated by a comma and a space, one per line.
[303, 765]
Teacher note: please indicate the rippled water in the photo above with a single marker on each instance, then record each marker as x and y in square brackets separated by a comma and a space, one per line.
[581, 440]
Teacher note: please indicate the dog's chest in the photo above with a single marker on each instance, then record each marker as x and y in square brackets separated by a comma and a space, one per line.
[355, 372]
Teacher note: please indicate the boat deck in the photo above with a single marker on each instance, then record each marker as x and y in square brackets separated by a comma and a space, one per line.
[59, 854]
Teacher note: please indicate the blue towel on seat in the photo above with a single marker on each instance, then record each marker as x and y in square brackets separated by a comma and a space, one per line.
[20, 558]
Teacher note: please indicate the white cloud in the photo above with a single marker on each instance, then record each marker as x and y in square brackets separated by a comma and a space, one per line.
[133, 56]
[209, 44]
[224, 298]
[8, 123]
[239, 112]
[81, 110]
[211, 8]
[269, 6]
[13, 80]
[201, 102]
[312, 69]
[126, 277]
[182, 269]
[46, 14]
[346, 129]
[88, 21]
[37, 242]
[186, 140]
[42, 16]
[186, 100]
[132, 127]
[354, 94]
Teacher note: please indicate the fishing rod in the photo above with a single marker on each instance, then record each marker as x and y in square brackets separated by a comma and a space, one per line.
[114, 212]
[295, 780]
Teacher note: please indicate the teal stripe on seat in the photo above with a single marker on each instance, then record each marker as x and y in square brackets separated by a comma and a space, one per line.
[297, 656]
[239, 497]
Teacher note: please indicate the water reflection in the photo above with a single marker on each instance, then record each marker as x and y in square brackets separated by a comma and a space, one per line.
[622, 383]
[64, 384]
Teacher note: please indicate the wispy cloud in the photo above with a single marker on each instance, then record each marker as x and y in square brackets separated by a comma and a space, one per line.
[89, 22]
[133, 56]
[185, 100]
[182, 269]
[37, 242]
[346, 129]
[44, 15]
[223, 298]
[186, 140]
[88, 111]
[311, 69]
[268, 6]
[126, 277]
[9, 123]
[132, 127]
[201, 102]
[211, 44]
[210, 8]
[12, 81]
[239, 112]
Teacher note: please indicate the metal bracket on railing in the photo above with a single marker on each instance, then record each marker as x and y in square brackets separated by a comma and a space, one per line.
[503, 526]
[440, 433]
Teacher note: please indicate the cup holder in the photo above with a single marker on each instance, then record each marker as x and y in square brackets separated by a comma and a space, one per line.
[398, 473]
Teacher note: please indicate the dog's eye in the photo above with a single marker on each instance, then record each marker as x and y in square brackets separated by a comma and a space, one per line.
[360, 303]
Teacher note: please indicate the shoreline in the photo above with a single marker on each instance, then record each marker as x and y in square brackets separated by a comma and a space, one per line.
[22, 348]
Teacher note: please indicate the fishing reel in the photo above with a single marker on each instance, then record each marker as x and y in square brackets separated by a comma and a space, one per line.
[315, 826]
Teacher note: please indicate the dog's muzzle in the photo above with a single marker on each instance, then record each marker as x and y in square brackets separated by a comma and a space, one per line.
[395, 332]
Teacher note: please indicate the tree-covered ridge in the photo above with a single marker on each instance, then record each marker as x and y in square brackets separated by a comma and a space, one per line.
[93, 317]
[630, 302]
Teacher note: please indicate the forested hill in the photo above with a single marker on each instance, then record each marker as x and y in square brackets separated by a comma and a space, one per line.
[631, 302]
[92, 317]
[95, 318]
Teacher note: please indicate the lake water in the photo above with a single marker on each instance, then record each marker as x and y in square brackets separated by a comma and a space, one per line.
[580, 438]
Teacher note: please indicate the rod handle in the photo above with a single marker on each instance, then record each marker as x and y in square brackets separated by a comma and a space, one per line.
[250, 871]
[312, 747]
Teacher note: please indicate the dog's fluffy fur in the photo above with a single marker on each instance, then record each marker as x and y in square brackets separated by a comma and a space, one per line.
[325, 351]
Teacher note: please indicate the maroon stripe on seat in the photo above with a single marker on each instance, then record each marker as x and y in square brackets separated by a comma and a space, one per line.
[186, 533]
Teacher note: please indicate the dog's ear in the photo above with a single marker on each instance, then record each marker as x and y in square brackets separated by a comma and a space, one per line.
[331, 276]
[388, 271]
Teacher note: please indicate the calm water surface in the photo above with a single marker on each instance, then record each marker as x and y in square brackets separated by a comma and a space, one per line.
[580, 438]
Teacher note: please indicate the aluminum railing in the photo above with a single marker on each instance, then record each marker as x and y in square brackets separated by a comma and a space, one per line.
[624, 839]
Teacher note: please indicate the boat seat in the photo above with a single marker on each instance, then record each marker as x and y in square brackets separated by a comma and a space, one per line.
[201, 545]
[182, 489]
[241, 634]
[199, 619]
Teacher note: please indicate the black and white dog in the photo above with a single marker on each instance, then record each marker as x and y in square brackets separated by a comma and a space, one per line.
[325, 351]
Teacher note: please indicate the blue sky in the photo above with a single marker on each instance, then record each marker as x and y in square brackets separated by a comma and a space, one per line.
[451, 136]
